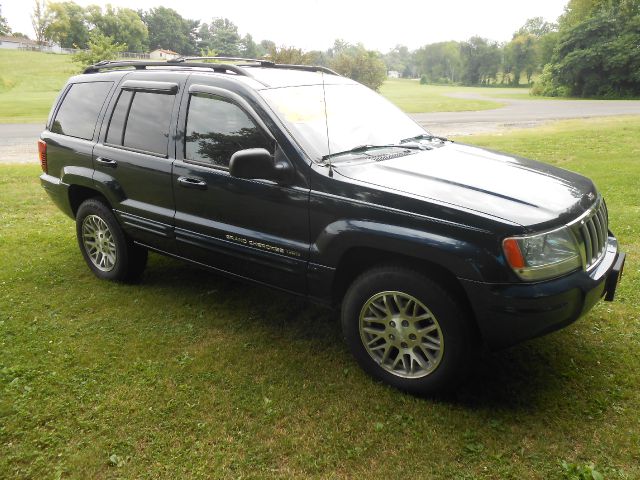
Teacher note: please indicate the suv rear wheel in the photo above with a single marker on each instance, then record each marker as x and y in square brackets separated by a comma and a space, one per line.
[406, 330]
[110, 254]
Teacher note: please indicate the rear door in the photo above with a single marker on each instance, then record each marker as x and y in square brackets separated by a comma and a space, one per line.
[134, 156]
[256, 229]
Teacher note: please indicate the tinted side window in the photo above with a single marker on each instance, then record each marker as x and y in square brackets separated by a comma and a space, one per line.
[216, 129]
[116, 125]
[78, 114]
[147, 126]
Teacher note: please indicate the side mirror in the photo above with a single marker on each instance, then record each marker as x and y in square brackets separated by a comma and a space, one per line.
[258, 163]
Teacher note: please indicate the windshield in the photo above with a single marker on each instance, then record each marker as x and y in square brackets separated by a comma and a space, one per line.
[353, 116]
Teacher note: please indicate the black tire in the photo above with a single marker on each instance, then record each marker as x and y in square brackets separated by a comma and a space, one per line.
[127, 261]
[456, 339]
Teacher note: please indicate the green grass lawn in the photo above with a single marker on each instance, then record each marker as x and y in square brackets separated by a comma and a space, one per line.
[29, 83]
[412, 97]
[190, 375]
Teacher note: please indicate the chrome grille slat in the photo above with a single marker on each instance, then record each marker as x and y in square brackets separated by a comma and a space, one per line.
[598, 226]
[587, 243]
[603, 225]
[594, 237]
[593, 232]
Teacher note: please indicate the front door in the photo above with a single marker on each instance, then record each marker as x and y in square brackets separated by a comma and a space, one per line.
[257, 229]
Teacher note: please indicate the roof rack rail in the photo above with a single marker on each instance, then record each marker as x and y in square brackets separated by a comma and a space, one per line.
[306, 68]
[263, 63]
[142, 65]
[217, 67]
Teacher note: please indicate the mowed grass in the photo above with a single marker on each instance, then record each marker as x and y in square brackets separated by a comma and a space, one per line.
[29, 84]
[190, 375]
[412, 97]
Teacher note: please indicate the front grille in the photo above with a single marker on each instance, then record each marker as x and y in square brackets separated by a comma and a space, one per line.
[592, 233]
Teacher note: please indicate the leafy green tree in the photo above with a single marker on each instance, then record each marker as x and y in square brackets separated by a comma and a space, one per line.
[536, 27]
[68, 25]
[290, 55]
[546, 46]
[264, 47]
[123, 25]
[222, 36]
[597, 51]
[401, 60]
[544, 36]
[101, 47]
[40, 20]
[440, 62]
[362, 65]
[481, 60]
[5, 29]
[248, 47]
[168, 29]
[521, 55]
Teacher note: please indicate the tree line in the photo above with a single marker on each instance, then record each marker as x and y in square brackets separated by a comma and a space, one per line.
[591, 51]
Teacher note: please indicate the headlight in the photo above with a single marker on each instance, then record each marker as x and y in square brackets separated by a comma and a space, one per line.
[542, 256]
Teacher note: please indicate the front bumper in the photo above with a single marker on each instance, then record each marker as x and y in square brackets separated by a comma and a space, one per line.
[510, 313]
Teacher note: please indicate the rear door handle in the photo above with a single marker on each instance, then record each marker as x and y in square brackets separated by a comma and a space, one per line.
[192, 182]
[107, 162]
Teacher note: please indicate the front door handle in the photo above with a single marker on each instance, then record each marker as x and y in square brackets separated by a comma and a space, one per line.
[107, 162]
[192, 182]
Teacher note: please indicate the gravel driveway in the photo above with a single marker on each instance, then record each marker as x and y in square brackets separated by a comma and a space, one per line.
[18, 141]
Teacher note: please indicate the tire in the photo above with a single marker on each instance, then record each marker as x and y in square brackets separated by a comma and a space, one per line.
[109, 253]
[405, 329]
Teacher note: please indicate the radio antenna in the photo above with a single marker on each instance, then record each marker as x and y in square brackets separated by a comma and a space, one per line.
[326, 123]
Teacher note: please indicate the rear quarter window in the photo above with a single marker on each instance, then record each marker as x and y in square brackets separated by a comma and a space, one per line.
[141, 121]
[78, 113]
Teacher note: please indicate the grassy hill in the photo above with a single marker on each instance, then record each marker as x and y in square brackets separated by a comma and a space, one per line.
[29, 83]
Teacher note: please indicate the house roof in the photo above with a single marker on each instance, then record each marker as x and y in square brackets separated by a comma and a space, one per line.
[17, 40]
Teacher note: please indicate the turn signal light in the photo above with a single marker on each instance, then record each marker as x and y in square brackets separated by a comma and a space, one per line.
[42, 155]
[513, 253]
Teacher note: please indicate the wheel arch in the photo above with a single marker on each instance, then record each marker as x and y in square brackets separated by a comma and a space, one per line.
[357, 260]
[80, 193]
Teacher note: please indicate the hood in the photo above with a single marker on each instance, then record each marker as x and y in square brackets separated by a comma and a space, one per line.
[507, 187]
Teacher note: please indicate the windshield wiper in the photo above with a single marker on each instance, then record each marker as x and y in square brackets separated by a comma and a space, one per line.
[365, 148]
[424, 136]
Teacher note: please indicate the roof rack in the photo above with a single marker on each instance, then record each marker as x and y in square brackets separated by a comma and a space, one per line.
[262, 62]
[217, 67]
[142, 65]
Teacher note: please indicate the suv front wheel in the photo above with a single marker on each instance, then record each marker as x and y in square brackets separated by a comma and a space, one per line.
[110, 254]
[406, 330]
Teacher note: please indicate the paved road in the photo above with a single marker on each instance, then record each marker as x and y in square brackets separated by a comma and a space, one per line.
[18, 141]
[520, 114]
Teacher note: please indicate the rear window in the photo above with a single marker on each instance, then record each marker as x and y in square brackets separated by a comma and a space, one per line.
[141, 121]
[78, 114]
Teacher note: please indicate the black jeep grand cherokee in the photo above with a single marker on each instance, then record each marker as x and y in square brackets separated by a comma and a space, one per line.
[300, 179]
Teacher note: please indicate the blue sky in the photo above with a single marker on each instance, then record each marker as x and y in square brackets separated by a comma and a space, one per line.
[314, 24]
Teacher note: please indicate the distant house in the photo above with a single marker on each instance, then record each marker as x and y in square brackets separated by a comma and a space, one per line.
[16, 43]
[393, 74]
[162, 54]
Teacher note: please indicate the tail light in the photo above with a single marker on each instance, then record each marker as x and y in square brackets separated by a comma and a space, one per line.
[42, 155]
